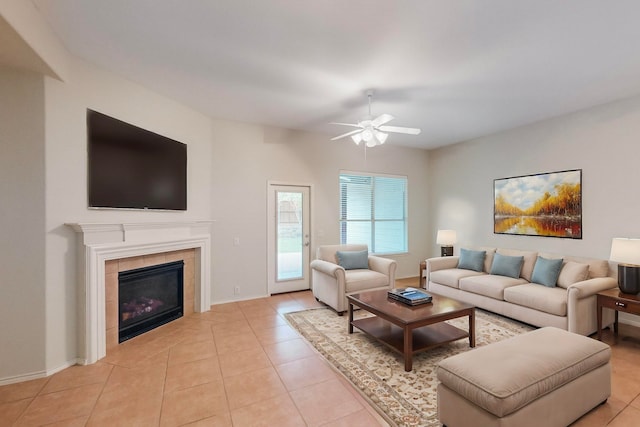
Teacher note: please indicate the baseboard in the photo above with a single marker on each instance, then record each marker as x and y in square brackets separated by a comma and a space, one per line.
[38, 374]
[238, 300]
[629, 319]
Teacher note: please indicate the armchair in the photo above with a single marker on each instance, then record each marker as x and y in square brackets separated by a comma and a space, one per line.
[331, 283]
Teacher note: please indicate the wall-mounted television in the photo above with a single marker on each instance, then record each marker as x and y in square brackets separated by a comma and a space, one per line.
[133, 168]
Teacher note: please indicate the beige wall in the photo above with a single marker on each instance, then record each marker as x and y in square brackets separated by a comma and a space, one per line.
[602, 141]
[66, 176]
[229, 166]
[22, 219]
[246, 157]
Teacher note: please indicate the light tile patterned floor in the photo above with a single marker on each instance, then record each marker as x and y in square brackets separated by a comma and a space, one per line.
[241, 365]
[238, 365]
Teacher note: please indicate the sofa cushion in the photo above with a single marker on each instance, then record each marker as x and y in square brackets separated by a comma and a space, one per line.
[546, 271]
[358, 280]
[353, 260]
[527, 265]
[471, 260]
[489, 285]
[509, 266]
[572, 272]
[597, 267]
[451, 276]
[541, 298]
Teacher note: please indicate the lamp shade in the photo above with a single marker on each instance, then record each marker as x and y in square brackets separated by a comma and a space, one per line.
[446, 237]
[625, 251]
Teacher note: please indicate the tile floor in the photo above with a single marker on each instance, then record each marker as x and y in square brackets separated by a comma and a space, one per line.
[241, 365]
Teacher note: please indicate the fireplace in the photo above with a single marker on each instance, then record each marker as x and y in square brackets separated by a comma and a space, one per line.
[149, 297]
[99, 245]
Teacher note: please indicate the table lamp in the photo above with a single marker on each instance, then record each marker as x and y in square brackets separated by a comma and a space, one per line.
[626, 252]
[446, 238]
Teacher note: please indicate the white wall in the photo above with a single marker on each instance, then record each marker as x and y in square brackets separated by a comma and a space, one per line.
[602, 141]
[246, 157]
[22, 219]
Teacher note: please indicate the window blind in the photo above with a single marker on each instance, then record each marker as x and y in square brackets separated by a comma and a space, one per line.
[373, 211]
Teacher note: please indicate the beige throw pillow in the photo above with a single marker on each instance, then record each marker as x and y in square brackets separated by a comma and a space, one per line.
[572, 272]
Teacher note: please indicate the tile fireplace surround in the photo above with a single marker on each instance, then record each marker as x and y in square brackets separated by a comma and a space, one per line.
[98, 243]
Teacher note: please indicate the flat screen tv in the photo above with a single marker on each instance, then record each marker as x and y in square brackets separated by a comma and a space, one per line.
[133, 168]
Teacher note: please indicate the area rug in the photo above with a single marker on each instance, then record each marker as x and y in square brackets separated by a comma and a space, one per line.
[402, 398]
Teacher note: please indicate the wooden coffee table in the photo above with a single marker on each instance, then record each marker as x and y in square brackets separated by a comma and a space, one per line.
[409, 330]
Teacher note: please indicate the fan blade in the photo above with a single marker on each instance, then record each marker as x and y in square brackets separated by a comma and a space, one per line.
[346, 124]
[346, 134]
[397, 129]
[381, 119]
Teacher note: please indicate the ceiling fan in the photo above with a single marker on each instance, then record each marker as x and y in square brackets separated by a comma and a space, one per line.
[373, 131]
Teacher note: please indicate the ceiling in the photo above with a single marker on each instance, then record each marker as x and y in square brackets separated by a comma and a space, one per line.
[458, 69]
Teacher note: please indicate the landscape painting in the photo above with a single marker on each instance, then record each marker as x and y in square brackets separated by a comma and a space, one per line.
[546, 204]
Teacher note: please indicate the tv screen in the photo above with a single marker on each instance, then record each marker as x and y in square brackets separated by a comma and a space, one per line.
[133, 168]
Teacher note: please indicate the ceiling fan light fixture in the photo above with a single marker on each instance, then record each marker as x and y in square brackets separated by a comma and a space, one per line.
[373, 130]
[381, 137]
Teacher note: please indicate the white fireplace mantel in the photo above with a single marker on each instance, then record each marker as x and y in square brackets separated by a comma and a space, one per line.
[101, 242]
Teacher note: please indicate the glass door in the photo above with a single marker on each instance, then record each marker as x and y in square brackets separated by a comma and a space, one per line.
[289, 243]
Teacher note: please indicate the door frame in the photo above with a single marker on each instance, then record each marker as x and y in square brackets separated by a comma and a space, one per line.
[271, 252]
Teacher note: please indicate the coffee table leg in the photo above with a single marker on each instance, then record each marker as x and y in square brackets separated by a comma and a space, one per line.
[472, 328]
[350, 318]
[408, 349]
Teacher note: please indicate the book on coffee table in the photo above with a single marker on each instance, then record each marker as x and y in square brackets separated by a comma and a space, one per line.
[410, 296]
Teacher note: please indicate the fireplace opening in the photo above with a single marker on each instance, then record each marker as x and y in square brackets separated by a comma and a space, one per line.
[149, 297]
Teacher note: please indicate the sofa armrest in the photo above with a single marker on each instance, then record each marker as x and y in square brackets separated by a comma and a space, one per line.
[590, 287]
[385, 266]
[440, 263]
[328, 268]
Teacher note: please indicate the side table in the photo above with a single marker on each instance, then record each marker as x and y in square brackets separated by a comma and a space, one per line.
[422, 280]
[617, 301]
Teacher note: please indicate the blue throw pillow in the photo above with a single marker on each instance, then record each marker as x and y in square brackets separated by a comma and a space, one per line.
[546, 271]
[353, 260]
[471, 260]
[509, 266]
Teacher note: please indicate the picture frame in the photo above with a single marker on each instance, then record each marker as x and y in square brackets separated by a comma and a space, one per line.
[546, 204]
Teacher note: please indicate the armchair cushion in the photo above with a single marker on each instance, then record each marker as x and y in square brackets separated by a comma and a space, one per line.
[353, 260]
[363, 280]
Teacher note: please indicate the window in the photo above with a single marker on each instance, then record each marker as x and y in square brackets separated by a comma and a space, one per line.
[373, 210]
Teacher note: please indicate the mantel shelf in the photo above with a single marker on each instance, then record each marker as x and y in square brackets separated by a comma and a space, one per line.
[100, 227]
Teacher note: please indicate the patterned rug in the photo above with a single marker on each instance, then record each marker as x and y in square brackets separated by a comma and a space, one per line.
[402, 398]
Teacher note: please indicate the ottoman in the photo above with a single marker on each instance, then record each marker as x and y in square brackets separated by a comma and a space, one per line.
[547, 377]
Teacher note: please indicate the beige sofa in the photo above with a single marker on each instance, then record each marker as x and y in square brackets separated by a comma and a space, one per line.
[571, 305]
[331, 283]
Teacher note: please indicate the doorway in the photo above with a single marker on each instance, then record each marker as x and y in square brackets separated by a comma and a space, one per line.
[289, 238]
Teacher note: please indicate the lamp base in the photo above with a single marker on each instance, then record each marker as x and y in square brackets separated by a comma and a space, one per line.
[629, 278]
[446, 251]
